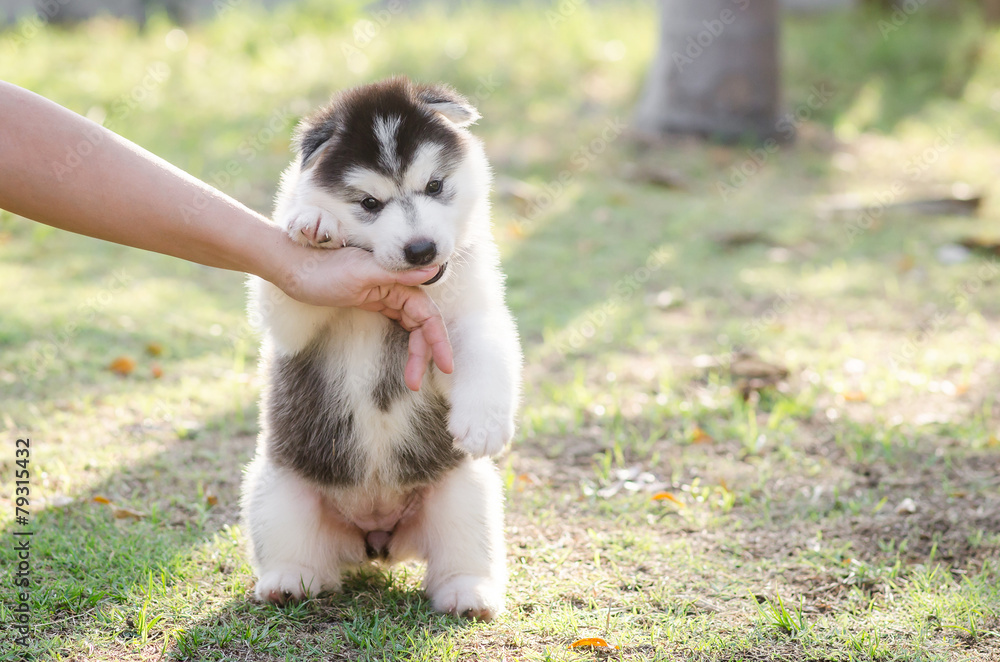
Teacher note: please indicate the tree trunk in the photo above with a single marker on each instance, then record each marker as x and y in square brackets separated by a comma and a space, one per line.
[991, 11]
[716, 73]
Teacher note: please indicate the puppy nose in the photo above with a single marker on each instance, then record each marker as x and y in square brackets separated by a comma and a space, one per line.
[420, 252]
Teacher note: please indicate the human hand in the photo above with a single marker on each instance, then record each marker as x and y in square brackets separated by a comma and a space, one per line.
[131, 197]
[351, 277]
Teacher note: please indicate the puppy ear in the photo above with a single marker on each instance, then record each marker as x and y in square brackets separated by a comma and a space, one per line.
[449, 103]
[311, 136]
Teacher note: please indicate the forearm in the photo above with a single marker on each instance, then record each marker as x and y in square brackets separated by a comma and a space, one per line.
[63, 170]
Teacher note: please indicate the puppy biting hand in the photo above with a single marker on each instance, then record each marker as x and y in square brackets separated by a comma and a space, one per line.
[352, 466]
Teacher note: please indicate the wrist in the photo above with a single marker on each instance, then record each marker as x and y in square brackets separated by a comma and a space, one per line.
[274, 258]
[310, 275]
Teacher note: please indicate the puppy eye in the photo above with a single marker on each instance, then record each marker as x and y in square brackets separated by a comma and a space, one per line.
[371, 204]
[434, 186]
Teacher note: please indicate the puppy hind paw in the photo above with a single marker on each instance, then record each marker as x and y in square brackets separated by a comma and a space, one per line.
[474, 598]
[287, 584]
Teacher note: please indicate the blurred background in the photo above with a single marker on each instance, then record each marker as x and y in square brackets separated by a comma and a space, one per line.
[752, 252]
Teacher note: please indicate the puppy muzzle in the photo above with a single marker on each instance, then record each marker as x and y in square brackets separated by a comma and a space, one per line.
[438, 276]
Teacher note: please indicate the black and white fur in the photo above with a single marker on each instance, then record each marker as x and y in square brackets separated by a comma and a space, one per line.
[350, 464]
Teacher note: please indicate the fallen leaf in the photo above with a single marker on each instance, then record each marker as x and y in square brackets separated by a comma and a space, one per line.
[965, 203]
[154, 349]
[740, 238]
[699, 604]
[667, 496]
[633, 479]
[753, 374]
[720, 155]
[985, 245]
[699, 436]
[655, 173]
[123, 365]
[157, 371]
[751, 367]
[855, 396]
[117, 511]
[592, 642]
[524, 481]
[125, 513]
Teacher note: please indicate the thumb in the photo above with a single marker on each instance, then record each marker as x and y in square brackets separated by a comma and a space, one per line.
[415, 276]
[369, 273]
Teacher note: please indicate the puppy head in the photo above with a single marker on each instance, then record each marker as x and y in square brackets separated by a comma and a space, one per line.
[393, 162]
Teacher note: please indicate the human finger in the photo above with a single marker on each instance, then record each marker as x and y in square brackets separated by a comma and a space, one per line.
[417, 311]
[435, 335]
[367, 272]
[416, 362]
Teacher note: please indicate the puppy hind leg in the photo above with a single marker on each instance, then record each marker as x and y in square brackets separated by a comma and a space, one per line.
[460, 533]
[295, 553]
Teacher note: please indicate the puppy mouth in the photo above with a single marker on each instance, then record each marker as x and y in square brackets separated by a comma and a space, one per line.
[433, 279]
[437, 276]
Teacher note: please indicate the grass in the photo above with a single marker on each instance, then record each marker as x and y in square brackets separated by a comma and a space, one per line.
[790, 622]
[849, 512]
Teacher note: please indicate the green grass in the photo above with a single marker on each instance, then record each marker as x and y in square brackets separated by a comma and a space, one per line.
[788, 535]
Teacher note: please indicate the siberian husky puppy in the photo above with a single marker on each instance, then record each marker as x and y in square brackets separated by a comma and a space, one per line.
[352, 466]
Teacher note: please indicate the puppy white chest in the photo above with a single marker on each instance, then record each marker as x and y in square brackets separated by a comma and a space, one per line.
[341, 415]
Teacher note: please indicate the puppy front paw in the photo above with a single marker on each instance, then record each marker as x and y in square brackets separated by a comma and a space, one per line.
[311, 226]
[480, 429]
[287, 584]
[475, 598]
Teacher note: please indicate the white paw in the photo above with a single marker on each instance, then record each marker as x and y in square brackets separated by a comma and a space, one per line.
[479, 429]
[311, 226]
[478, 598]
[285, 583]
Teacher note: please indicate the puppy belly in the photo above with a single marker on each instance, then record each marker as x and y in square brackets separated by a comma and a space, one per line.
[374, 515]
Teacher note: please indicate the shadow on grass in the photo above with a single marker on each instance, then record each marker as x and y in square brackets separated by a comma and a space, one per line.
[137, 584]
[86, 564]
[378, 616]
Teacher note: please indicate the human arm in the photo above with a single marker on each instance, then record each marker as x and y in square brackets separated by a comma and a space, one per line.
[61, 169]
